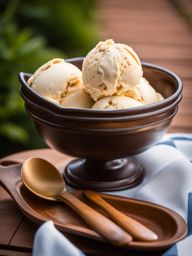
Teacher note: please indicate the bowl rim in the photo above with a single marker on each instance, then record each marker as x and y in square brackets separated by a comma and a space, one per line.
[133, 117]
[135, 110]
[103, 130]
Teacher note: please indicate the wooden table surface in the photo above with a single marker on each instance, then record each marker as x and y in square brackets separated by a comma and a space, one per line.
[159, 35]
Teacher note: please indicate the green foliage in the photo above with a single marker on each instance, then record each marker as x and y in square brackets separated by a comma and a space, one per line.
[71, 23]
[30, 36]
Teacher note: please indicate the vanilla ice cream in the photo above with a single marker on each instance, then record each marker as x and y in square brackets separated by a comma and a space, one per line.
[61, 83]
[52, 100]
[110, 69]
[116, 102]
[159, 97]
[143, 92]
[111, 78]
[77, 99]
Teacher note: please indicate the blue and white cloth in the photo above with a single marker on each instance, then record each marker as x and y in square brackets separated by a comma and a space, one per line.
[184, 247]
[168, 181]
[50, 242]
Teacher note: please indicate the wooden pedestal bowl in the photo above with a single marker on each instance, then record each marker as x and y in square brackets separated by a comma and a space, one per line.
[104, 142]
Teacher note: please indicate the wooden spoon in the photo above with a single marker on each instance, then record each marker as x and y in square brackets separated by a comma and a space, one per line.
[136, 229]
[44, 180]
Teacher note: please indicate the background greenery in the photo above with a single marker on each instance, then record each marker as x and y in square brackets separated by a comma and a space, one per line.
[184, 7]
[31, 33]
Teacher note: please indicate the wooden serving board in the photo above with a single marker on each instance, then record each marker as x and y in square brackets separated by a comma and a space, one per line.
[169, 226]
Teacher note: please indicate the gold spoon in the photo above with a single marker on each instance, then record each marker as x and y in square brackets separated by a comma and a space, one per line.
[44, 180]
[136, 229]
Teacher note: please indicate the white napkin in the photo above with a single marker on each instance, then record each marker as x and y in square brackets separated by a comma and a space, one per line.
[50, 242]
[168, 178]
[168, 181]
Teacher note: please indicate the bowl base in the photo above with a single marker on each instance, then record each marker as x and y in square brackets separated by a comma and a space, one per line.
[101, 175]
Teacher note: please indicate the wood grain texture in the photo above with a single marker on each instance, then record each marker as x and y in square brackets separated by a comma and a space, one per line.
[8, 224]
[159, 35]
[13, 253]
[25, 235]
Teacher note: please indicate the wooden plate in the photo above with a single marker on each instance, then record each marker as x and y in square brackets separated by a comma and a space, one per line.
[169, 226]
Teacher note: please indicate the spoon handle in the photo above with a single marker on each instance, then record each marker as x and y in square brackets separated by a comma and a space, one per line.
[101, 224]
[136, 229]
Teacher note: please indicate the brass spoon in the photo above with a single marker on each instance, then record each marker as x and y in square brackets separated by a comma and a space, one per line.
[44, 180]
[136, 229]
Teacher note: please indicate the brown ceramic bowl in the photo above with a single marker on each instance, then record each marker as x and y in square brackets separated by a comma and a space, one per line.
[105, 140]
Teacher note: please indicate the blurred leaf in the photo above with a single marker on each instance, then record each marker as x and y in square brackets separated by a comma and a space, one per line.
[72, 23]
[14, 132]
[8, 14]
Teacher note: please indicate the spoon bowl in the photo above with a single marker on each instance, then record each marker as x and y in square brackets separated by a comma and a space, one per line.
[42, 178]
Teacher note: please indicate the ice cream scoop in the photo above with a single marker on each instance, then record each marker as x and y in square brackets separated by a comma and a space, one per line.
[110, 69]
[160, 96]
[52, 100]
[77, 99]
[55, 79]
[116, 102]
[61, 83]
[143, 92]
